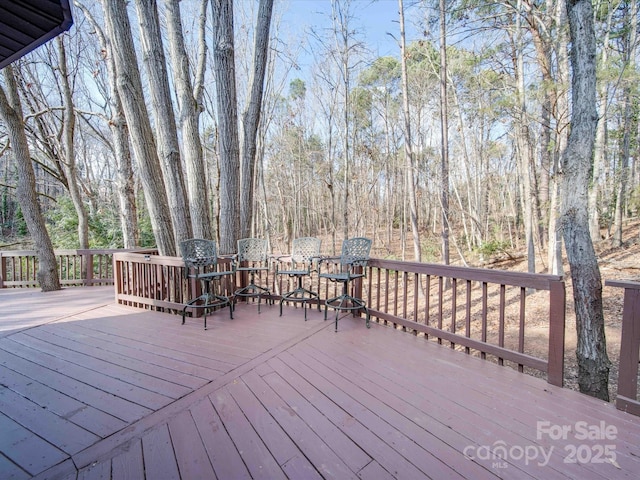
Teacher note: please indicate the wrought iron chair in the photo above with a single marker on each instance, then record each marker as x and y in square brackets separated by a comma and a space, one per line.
[355, 255]
[305, 252]
[252, 257]
[200, 262]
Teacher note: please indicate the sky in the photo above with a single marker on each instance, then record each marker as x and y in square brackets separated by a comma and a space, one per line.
[375, 19]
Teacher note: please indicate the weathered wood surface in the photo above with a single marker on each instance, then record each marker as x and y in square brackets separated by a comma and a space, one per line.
[117, 392]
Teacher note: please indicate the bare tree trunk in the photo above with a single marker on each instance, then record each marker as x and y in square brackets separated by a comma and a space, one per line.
[11, 114]
[600, 153]
[591, 351]
[225, 71]
[444, 134]
[561, 136]
[525, 150]
[408, 145]
[144, 146]
[189, 108]
[252, 117]
[68, 144]
[128, 211]
[630, 43]
[165, 121]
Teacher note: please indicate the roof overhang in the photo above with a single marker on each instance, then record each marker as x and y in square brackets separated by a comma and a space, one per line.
[27, 24]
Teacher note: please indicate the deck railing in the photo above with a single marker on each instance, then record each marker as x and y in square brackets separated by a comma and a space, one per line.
[499, 315]
[627, 398]
[461, 307]
[19, 268]
[478, 311]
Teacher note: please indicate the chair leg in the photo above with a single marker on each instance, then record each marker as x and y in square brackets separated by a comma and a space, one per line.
[210, 300]
[300, 294]
[356, 304]
[252, 290]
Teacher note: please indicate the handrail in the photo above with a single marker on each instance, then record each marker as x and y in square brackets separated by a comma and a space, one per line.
[627, 397]
[87, 267]
[432, 309]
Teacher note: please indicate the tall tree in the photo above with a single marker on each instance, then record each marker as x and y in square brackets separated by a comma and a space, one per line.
[131, 93]
[165, 122]
[69, 148]
[228, 143]
[629, 57]
[591, 351]
[408, 150]
[11, 114]
[189, 97]
[600, 149]
[444, 134]
[125, 180]
[251, 117]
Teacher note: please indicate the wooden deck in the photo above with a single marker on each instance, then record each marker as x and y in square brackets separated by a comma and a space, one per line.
[90, 389]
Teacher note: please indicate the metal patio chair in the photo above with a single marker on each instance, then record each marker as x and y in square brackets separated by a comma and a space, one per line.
[354, 257]
[252, 257]
[305, 252]
[200, 262]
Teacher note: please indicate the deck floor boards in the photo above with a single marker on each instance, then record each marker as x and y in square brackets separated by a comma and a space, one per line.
[90, 389]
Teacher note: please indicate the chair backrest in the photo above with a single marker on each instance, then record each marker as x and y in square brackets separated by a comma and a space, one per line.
[355, 251]
[252, 250]
[304, 249]
[199, 253]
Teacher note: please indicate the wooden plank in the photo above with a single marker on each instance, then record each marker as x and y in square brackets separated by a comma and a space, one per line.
[99, 399]
[374, 471]
[147, 362]
[393, 429]
[137, 429]
[164, 336]
[329, 400]
[28, 451]
[271, 433]
[299, 467]
[86, 416]
[328, 432]
[96, 471]
[62, 471]
[192, 458]
[519, 421]
[10, 471]
[321, 455]
[28, 348]
[256, 455]
[439, 423]
[186, 362]
[129, 464]
[56, 430]
[222, 452]
[105, 362]
[158, 453]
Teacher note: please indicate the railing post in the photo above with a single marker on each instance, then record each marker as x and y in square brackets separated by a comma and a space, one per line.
[557, 308]
[357, 288]
[88, 281]
[627, 398]
[3, 270]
